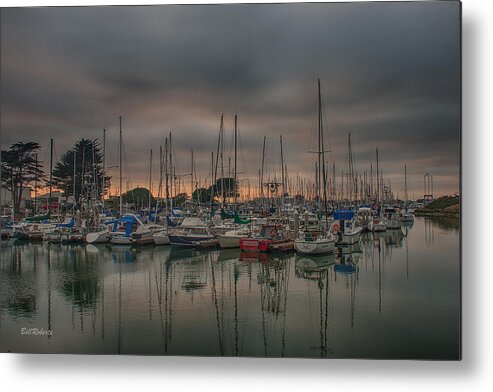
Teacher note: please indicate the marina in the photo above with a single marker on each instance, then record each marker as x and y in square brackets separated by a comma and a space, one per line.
[356, 302]
[321, 267]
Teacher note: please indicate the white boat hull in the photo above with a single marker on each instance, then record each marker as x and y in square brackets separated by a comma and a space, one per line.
[226, 241]
[317, 247]
[98, 237]
[351, 237]
[161, 238]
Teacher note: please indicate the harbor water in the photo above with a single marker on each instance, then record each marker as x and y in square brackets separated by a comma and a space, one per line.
[394, 295]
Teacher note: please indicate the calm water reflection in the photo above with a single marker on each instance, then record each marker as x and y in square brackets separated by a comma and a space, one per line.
[395, 295]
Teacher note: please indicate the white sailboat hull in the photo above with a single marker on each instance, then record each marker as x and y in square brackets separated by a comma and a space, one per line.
[98, 237]
[317, 247]
[351, 237]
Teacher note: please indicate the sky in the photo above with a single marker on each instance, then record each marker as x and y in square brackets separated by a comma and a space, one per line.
[390, 75]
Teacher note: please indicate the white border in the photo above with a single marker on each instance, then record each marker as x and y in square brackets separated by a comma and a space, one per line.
[80, 373]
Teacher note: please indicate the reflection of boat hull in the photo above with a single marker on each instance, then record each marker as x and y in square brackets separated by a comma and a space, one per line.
[408, 218]
[345, 269]
[228, 254]
[394, 224]
[311, 262]
[253, 256]
[313, 267]
[350, 249]
[377, 226]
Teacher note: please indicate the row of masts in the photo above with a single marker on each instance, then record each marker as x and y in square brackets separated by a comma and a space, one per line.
[345, 186]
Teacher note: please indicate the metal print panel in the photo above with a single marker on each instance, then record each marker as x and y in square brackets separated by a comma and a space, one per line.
[264, 180]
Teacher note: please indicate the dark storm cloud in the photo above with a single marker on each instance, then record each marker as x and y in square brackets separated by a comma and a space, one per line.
[390, 76]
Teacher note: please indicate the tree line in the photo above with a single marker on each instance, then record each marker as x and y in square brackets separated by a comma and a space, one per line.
[78, 173]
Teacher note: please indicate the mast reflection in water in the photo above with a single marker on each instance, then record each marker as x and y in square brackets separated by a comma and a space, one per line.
[394, 295]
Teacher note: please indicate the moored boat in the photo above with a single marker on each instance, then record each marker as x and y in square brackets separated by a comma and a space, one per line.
[192, 232]
[345, 226]
[393, 218]
[231, 239]
[273, 237]
[161, 237]
[310, 243]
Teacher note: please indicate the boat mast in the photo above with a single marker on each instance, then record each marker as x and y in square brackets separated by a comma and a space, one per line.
[322, 155]
[212, 181]
[191, 177]
[51, 173]
[150, 180]
[75, 171]
[262, 175]
[351, 183]
[221, 140]
[236, 148]
[171, 172]
[282, 170]
[378, 183]
[166, 172]
[120, 167]
[160, 186]
[35, 188]
[103, 185]
[405, 187]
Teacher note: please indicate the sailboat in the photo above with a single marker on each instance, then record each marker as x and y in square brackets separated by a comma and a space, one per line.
[408, 216]
[321, 242]
[100, 233]
[231, 239]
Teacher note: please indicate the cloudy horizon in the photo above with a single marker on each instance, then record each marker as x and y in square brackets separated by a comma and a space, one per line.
[390, 75]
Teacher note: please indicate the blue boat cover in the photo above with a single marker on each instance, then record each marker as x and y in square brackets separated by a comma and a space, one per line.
[67, 225]
[343, 215]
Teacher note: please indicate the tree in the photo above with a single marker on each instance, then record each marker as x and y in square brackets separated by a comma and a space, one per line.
[229, 187]
[138, 197]
[180, 199]
[202, 195]
[20, 168]
[88, 173]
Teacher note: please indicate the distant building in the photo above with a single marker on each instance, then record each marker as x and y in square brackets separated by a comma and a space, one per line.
[55, 203]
